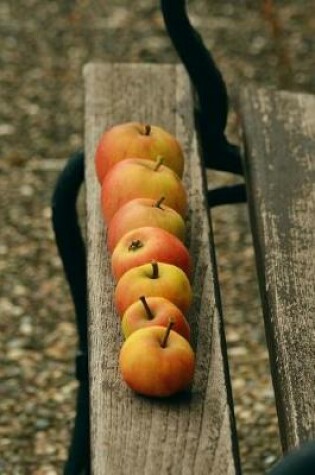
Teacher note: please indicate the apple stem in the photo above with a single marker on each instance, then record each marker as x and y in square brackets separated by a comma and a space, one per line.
[147, 129]
[155, 270]
[135, 244]
[159, 162]
[147, 308]
[167, 332]
[159, 202]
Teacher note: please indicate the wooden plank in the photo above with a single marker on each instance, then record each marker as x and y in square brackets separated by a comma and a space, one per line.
[279, 129]
[185, 435]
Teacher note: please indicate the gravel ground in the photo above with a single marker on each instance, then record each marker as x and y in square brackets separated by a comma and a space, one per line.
[44, 46]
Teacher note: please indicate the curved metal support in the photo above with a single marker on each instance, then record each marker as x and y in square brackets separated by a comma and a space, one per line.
[73, 255]
[227, 195]
[211, 101]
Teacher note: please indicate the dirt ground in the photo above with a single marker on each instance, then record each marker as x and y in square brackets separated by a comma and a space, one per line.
[43, 48]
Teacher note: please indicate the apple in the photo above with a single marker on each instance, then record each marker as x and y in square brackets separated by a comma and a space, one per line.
[156, 279]
[135, 139]
[157, 362]
[144, 212]
[142, 245]
[150, 311]
[141, 178]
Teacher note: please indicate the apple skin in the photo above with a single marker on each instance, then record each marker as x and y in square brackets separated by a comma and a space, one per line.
[151, 370]
[141, 178]
[142, 245]
[153, 280]
[135, 139]
[161, 310]
[143, 212]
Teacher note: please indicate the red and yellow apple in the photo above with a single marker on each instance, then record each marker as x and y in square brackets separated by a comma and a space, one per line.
[134, 139]
[157, 362]
[144, 212]
[142, 245]
[156, 279]
[141, 178]
[150, 311]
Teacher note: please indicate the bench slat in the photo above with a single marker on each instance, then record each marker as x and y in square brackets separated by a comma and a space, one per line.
[192, 434]
[279, 129]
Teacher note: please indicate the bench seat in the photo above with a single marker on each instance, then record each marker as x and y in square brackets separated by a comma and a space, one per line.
[184, 435]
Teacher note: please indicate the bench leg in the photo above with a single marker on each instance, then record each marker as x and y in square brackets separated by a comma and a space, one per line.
[79, 452]
[72, 251]
[298, 462]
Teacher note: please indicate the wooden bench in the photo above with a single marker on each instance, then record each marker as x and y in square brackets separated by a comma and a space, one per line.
[196, 434]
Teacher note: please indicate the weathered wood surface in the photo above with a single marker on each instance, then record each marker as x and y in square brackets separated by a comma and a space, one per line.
[279, 133]
[187, 435]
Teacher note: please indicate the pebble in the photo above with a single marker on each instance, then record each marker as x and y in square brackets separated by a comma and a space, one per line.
[26, 326]
[7, 129]
[26, 190]
[238, 351]
[270, 460]
[42, 424]
[42, 446]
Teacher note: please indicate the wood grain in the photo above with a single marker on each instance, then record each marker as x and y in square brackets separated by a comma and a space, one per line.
[279, 130]
[194, 433]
